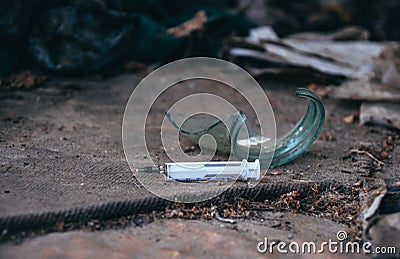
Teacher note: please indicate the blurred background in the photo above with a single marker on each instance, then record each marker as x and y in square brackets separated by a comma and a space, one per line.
[74, 37]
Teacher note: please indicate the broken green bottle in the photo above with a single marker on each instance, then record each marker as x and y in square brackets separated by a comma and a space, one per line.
[227, 134]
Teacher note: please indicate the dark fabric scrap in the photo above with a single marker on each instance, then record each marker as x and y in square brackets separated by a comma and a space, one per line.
[79, 38]
[75, 37]
[15, 18]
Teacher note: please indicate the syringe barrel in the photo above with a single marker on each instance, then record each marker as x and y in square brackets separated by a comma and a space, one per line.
[205, 171]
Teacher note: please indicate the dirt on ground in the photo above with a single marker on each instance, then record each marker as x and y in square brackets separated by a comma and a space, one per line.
[61, 148]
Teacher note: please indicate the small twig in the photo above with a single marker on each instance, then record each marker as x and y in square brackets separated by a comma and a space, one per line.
[368, 154]
[219, 218]
[301, 181]
[347, 171]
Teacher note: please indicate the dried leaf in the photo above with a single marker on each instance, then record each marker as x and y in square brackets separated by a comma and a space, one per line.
[349, 119]
[321, 91]
[26, 79]
[195, 24]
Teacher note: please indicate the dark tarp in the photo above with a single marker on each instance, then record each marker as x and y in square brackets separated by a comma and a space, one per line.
[78, 37]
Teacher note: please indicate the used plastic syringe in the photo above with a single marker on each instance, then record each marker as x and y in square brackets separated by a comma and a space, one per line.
[206, 171]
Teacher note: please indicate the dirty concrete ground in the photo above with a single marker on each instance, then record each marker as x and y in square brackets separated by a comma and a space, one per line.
[61, 148]
[176, 238]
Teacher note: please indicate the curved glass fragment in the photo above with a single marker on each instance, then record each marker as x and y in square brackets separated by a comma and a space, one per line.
[227, 133]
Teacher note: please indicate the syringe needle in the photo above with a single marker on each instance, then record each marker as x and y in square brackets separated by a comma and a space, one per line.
[147, 169]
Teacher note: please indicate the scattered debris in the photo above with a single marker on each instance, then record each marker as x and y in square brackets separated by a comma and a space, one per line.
[370, 70]
[345, 34]
[372, 201]
[315, 188]
[327, 137]
[262, 34]
[368, 154]
[382, 84]
[364, 163]
[289, 200]
[364, 91]
[338, 205]
[352, 60]
[386, 114]
[24, 79]
[321, 91]
[219, 218]
[349, 119]
[275, 173]
[378, 18]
